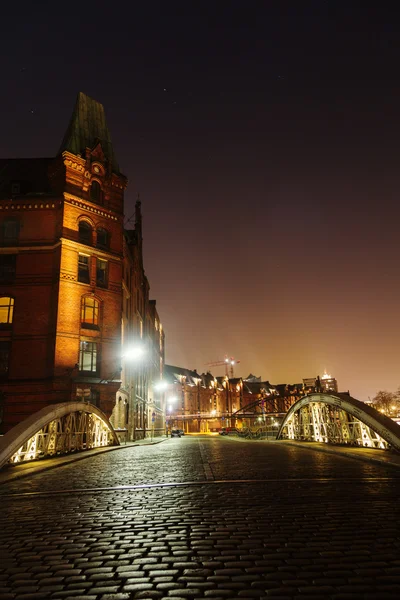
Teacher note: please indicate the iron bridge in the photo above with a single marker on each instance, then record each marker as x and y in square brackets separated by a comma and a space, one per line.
[57, 429]
[337, 418]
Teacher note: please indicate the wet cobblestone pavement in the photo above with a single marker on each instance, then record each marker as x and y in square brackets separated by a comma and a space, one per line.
[203, 518]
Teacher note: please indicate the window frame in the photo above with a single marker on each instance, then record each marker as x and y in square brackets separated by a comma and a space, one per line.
[8, 272]
[88, 240]
[11, 239]
[98, 197]
[86, 309]
[99, 282]
[106, 234]
[84, 353]
[8, 308]
[80, 269]
[5, 351]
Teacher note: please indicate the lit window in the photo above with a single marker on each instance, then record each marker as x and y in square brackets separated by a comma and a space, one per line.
[95, 192]
[10, 231]
[88, 357]
[85, 233]
[90, 312]
[101, 273]
[6, 309]
[103, 240]
[7, 266]
[83, 268]
[4, 358]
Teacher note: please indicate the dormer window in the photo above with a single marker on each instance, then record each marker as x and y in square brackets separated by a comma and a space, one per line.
[95, 192]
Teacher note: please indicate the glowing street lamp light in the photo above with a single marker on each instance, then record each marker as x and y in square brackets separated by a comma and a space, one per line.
[160, 386]
[134, 358]
[134, 353]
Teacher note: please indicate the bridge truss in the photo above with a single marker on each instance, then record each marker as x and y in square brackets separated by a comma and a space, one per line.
[266, 405]
[56, 430]
[339, 419]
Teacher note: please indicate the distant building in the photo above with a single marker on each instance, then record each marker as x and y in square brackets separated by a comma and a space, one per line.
[326, 383]
[204, 403]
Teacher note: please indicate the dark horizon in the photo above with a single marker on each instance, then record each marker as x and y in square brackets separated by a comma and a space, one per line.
[264, 143]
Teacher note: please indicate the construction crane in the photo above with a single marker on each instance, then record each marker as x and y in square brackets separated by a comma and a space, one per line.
[228, 363]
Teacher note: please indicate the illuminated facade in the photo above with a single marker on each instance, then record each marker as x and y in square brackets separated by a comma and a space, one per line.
[139, 410]
[61, 228]
[325, 383]
[204, 403]
[201, 403]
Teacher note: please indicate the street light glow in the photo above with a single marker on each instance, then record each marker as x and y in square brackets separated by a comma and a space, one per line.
[161, 385]
[134, 353]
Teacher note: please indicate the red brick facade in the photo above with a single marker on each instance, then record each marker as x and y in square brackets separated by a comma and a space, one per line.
[61, 227]
[140, 410]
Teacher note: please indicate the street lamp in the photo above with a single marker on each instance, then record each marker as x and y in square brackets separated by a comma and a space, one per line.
[161, 386]
[135, 355]
[171, 400]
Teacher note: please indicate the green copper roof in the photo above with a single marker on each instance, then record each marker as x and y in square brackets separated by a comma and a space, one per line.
[88, 127]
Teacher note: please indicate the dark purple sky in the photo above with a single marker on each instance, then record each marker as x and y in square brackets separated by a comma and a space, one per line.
[264, 139]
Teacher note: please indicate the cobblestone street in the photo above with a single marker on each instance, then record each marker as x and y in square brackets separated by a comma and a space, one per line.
[203, 517]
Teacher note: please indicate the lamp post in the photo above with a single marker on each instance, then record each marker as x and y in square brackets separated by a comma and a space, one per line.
[183, 379]
[171, 401]
[134, 354]
[160, 387]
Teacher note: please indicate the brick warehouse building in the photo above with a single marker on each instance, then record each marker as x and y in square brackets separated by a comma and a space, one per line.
[140, 409]
[61, 261]
[203, 403]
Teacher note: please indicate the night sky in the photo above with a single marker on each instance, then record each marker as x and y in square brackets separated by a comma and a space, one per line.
[264, 139]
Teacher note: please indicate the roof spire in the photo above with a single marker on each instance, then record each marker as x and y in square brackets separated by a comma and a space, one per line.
[87, 128]
[138, 214]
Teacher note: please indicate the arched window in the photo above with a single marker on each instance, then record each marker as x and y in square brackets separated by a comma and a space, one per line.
[85, 233]
[103, 238]
[95, 192]
[6, 310]
[90, 308]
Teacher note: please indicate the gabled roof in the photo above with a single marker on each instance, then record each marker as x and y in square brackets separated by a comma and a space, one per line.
[87, 129]
[172, 374]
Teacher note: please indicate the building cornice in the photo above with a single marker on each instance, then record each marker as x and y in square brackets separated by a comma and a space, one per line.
[27, 204]
[84, 249]
[76, 201]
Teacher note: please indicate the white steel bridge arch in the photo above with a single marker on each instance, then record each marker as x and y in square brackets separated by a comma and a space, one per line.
[57, 429]
[339, 419]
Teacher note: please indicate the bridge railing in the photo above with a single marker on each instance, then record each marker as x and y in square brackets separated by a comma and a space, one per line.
[55, 430]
